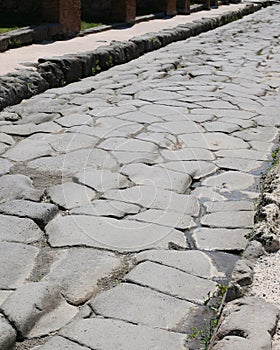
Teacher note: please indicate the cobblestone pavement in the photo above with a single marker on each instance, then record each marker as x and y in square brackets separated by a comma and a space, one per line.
[125, 197]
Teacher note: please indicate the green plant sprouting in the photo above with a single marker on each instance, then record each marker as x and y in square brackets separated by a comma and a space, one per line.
[205, 333]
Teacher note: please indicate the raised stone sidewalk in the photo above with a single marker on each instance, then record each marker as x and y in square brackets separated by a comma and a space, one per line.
[127, 198]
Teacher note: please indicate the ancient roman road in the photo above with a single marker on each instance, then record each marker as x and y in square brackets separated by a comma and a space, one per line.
[127, 197]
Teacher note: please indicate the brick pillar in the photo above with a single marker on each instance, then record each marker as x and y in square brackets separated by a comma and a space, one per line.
[124, 11]
[65, 12]
[171, 7]
[184, 6]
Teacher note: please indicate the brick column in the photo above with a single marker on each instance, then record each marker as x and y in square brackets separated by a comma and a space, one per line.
[65, 12]
[124, 11]
[171, 7]
[184, 6]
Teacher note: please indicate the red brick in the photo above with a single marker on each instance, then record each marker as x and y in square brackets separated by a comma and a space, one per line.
[65, 12]
[124, 11]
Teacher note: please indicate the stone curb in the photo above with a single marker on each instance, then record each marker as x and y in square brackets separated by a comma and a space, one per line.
[250, 322]
[30, 35]
[60, 71]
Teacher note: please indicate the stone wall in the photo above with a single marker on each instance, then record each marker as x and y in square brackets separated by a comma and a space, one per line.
[19, 6]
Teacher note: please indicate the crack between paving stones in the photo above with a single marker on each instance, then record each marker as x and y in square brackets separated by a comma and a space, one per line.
[12, 324]
[78, 343]
[161, 292]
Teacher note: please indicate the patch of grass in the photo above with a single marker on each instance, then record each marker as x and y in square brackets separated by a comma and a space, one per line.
[275, 156]
[87, 25]
[6, 30]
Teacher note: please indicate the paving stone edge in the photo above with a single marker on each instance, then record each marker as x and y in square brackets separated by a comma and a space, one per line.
[60, 71]
[263, 240]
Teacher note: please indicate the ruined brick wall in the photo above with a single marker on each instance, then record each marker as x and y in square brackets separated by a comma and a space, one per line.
[19, 6]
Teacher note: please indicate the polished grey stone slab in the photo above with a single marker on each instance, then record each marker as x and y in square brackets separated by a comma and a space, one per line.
[123, 335]
[122, 236]
[176, 283]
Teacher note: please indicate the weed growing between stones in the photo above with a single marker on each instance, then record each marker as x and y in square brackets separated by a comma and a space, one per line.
[204, 334]
[275, 156]
[96, 68]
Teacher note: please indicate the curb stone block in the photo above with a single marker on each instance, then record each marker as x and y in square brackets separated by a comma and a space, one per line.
[250, 319]
[4, 43]
[51, 73]
[20, 38]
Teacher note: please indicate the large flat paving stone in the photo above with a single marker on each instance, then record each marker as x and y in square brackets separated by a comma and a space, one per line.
[30, 128]
[7, 334]
[16, 261]
[245, 154]
[212, 207]
[107, 208]
[161, 139]
[213, 141]
[75, 161]
[17, 187]
[123, 235]
[128, 145]
[27, 150]
[41, 213]
[78, 271]
[139, 117]
[70, 195]
[60, 343]
[187, 154]
[230, 180]
[132, 303]
[229, 219]
[67, 142]
[102, 180]
[21, 230]
[75, 120]
[175, 282]
[37, 309]
[142, 174]
[194, 262]
[124, 157]
[221, 126]
[220, 239]
[165, 218]
[123, 336]
[155, 198]
[177, 127]
[240, 164]
[196, 169]
[258, 134]
[157, 95]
